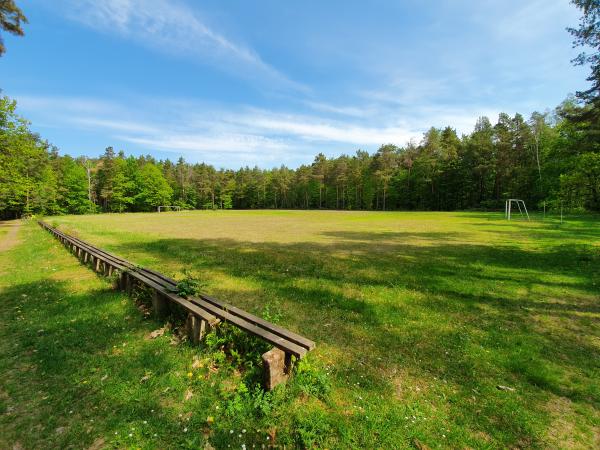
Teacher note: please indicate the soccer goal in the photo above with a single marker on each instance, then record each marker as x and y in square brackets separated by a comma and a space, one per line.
[519, 203]
[169, 208]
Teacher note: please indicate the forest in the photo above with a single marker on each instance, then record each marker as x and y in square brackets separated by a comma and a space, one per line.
[550, 159]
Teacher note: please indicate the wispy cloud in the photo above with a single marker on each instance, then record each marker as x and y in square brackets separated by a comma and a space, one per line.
[527, 21]
[229, 136]
[352, 111]
[174, 28]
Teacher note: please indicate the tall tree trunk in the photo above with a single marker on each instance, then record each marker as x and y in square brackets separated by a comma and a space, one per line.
[89, 177]
[320, 195]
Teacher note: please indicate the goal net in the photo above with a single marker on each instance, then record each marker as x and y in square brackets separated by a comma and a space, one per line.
[520, 204]
[163, 208]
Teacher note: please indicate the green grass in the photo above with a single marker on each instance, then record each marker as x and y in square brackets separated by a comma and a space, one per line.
[3, 232]
[418, 317]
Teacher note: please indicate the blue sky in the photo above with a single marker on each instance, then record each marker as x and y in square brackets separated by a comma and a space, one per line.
[269, 82]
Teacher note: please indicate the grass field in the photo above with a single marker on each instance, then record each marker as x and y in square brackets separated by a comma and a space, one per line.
[418, 319]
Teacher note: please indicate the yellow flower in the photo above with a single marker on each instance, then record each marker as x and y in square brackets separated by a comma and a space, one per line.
[190, 374]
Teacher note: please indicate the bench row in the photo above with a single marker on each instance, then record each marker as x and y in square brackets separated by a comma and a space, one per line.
[204, 311]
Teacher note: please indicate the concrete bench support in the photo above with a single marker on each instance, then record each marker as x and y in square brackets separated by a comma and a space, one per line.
[160, 305]
[196, 328]
[276, 367]
[129, 284]
[123, 281]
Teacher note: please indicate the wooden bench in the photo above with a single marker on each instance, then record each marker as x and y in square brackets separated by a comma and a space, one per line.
[204, 312]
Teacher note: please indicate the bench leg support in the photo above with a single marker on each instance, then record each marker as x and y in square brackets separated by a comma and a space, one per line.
[160, 305]
[196, 328]
[122, 281]
[129, 284]
[276, 366]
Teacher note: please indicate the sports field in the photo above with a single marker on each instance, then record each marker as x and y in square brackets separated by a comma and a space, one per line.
[432, 329]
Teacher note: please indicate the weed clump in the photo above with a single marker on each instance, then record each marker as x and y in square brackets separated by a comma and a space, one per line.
[189, 286]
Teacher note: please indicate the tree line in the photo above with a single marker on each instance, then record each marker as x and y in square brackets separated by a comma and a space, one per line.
[549, 158]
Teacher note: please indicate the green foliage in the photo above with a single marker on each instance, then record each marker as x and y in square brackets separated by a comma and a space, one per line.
[542, 161]
[581, 185]
[310, 380]
[588, 36]
[11, 20]
[189, 285]
[153, 189]
[238, 347]
[73, 189]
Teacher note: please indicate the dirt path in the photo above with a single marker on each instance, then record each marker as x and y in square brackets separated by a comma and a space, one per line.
[10, 239]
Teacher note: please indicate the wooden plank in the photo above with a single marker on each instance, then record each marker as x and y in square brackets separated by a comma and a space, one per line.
[277, 341]
[275, 329]
[174, 298]
[98, 255]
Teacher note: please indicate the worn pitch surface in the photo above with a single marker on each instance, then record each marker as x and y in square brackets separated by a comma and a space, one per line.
[418, 317]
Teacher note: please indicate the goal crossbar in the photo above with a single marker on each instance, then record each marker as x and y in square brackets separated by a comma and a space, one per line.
[169, 208]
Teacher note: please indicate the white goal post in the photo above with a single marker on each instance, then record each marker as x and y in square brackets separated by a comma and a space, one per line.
[169, 208]
[518, 202]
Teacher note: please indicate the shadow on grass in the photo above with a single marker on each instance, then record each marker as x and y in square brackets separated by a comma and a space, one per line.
[72, 369]
[473, 315]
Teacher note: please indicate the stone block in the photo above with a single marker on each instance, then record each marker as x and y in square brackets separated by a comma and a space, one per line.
[196, 328]
[275, 368]
[160, 305]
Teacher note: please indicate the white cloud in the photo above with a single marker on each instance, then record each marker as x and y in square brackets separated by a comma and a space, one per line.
[313, 128]
[231, 135]
[351, 111]
[205, 131]
[527, 21]
[229, 143]
[117, 125]
[172, 27]
[67, 104]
